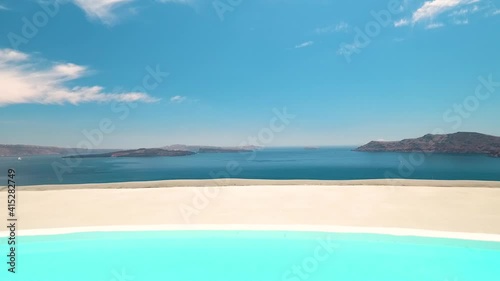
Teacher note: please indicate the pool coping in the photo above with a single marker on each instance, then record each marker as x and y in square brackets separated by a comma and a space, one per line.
[260, 227]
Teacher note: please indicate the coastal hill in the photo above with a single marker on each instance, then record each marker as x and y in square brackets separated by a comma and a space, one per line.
[26, 150]
[460, 143]
[18, 150]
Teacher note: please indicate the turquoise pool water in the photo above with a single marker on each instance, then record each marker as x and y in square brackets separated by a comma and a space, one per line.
[250, 256]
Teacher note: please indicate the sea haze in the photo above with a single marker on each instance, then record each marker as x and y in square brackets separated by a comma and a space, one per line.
[338, 163]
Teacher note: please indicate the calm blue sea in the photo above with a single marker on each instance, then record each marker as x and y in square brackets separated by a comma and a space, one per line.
[283, 163]
[251, 256]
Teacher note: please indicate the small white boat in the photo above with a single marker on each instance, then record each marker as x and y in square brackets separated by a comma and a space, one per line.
[19, 158]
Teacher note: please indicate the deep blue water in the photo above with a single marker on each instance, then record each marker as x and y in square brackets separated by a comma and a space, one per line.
[283, 163]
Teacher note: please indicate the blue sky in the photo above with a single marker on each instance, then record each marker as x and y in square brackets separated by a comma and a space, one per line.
[215, 72]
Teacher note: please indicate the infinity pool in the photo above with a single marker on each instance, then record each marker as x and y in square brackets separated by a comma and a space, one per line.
[250, 256]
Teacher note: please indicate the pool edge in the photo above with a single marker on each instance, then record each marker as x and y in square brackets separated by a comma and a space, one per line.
[246, 227]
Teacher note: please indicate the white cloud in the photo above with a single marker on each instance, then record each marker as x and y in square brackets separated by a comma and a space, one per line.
[102, 10]
[401, 22]
[177, 99]
[496, 12]
[8, 55]
[433, 8]
[339, 27]
[434, 25]
[303, 45]
[3, 8]
[26, 79]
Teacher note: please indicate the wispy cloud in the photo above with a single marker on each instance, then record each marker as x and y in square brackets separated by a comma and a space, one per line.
[102, 10]
[401, 22]
[2, 7]
[460, 12]
[349, 49]
[489, 8]
[434, 25]
[460, 21]
[339, 27]
[305, 44]
[184, 2]
[464, 12]
[106, 11]
[27, 79]
[433, 8]
[177, 99]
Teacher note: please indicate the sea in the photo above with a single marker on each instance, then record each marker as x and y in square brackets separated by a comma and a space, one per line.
[326, 163]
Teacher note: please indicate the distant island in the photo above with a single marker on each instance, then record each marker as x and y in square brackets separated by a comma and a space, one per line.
[460, 143]
[167, 151]
[7, 150]
[210, 149]
[142, 152]
[311, 147]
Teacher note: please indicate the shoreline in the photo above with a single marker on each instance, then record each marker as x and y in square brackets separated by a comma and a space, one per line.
[260, 182]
